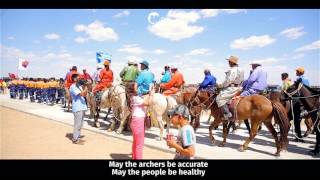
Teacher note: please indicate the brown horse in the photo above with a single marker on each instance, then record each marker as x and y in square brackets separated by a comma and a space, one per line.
[186, 98]
[258, 109]
[190, 99]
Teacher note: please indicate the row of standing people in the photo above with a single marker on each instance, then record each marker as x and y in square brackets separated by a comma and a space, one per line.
[37, 89]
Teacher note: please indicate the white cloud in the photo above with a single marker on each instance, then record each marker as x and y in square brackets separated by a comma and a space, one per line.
[252, 42]
[11, 38]
[97, 31]
[179, 24]
[14, 53]
[80, 40]
[191, 16]
[159, 51]
[52, 36]
[314, 45]
[293, 33]
[214, 12]
[132, 49]
[201, 51]
[176, 25]
[122, 14]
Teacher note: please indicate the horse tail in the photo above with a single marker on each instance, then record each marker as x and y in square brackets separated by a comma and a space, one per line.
[280, 116]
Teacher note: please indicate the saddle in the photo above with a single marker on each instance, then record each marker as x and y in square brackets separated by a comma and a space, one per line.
[98, 96]
[233, 103]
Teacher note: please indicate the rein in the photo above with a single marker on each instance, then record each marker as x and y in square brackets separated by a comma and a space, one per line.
[196, 98]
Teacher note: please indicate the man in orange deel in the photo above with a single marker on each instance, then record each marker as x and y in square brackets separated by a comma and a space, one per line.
[176, 82]
[68, 83]
[106, 78]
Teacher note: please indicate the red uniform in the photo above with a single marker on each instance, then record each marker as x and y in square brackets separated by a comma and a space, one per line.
[86, 76]
[106, 79]
[174, 84]
[69, 82]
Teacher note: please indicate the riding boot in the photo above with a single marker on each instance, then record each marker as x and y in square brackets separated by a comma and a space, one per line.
[226, 112]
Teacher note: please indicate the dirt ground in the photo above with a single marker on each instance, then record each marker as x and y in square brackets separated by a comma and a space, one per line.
[24, 136]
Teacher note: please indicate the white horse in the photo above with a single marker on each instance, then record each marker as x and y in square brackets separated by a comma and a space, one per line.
[115, 97]
[158, 105]
[94, 110]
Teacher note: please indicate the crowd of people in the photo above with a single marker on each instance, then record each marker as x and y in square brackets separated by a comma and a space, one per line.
[39, 90]
[139, 82]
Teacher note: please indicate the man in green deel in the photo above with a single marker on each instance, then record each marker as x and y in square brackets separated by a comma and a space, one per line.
[129, 73]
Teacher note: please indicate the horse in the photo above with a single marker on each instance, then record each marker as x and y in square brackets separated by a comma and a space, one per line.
[158, 106]
[258, 109]
[188, 97]
[280, 96]
[311, 102]
[95, 106]
[115, 97]
[68, 99]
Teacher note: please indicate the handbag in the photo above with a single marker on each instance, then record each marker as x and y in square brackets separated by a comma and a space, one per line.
[147, 121]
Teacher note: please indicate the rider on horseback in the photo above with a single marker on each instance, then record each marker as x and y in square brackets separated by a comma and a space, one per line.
[130, 73]
[145, 79]
[297, 106]
[286, 82]
[231, 86]
[209, 80]
[174, 85]
[106, 78]
[167, 75]
[257, 81]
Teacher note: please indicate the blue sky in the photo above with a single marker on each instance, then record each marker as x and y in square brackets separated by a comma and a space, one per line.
[191, 39]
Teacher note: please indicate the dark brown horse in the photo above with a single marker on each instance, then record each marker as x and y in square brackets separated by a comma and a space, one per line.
[281, 97]
[258, 109]
[311, 102]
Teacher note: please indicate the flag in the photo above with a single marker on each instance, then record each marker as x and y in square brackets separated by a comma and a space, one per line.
[23, 64]
[12, 76]
[101, 56]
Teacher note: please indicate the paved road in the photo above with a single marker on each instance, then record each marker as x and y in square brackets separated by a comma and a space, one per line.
[263, 146]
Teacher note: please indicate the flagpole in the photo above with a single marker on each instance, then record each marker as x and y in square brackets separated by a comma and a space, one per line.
[18, 69]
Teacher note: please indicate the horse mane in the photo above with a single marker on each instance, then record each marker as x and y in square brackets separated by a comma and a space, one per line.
[312, 90]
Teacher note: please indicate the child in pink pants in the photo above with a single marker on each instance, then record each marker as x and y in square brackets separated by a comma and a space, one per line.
[137, 126]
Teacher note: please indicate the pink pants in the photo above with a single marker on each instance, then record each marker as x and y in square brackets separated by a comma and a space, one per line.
[137, 127]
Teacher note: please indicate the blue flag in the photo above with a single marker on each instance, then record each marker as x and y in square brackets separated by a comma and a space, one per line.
[102, 57]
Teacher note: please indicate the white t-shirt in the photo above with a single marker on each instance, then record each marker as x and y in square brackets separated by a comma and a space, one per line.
[186, 137]
[137, 107]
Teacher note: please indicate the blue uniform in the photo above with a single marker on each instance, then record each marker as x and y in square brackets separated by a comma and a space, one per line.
[144, 81]
[208, 81]
[166, 77]
[303, 80]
